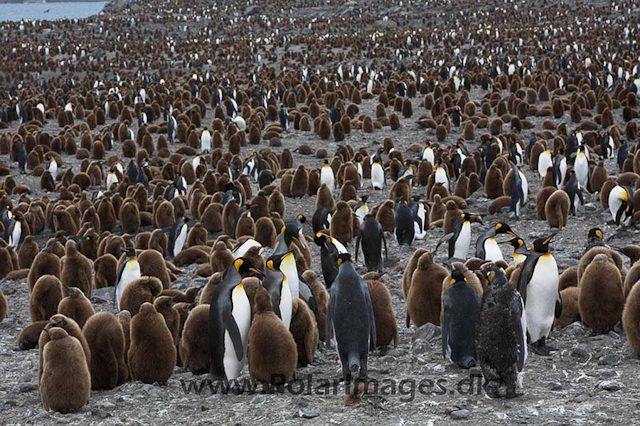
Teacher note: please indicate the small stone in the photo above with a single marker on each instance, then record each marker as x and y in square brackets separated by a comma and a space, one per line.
[581, 398]
[106, 405]
[580, 351]
[420, 346]
[428, 332]
[610, 359]
[451, 409]
[27, 387]
[306, 415]
[590, 207]
[556, 386]
[610, 385]
[460, 414]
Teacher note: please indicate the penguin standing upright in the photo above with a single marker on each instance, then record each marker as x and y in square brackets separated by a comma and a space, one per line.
[112, 178]
[327, 177]
[276, 283]
[329, 252]
[441, 176]
[142, 175]
[486, 246]
[607, 145]
[622, 154]
[621, 205]
[419, 218]
[427, 153]
[581, 167]
[538, 286]
[22, 159]
[361, 209]
[460, 304]
[53, 168]
[405, 232]
[205, 141]
[132, 172]
[129, 271]
[177, 236]
[377, 174]
[519, 190]
[573, 190]
[459, 239]
[500, 338]
[13, 232]
[284, 121]
[171, 192]
[229, 323]
[371, 237]
[559, 169]
[351, 314]
[544, 162]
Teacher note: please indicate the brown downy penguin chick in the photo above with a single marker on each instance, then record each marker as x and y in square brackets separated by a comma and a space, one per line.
[598, 177]
[6, 265]
[164, 306]
[493, 182]
[71, 327]
[321, 295]
[601, 300]
[541, 201]
[300, 182]
[324, 198]
[409, 269]
[105, 337]
[229, 213]
[194, 346]
[197, 235]
[129, 217]
[4, 309]
[569, 278]
[29, 337]
[124, 318]
[341, 223]
[152, 265]
[76, 306]
[27, 252]
[152, 354]
[77, 270]
[164, 215]
[65, 383]
[386, 325]
[246, 226]
[221, 257]
[140, 291]
[556, 209]
[451, 216]
[273, 354]
[588, 257]
[45, 297]
[276, 203]
[438, 209]
[386, 215]
[304, 329]
[570, 311]
[207, 291]
[265, 232]
[423, 300]
[106, 270]
[631, 319]
[45, 263]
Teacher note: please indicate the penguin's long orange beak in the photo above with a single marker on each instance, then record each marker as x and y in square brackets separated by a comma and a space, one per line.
[548, 239]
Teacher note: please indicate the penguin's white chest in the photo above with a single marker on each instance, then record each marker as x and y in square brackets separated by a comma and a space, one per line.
[205, 141]
[428, 155]
[525, 187]
[131, 272]
[542, 293]
[326, 177]
[180, 239]
[286, 303]
[377, 176]
[241, 312]
[111, 179]
[290, 271]
[518, 258]
[441, 177]
[492, 251]
[582, 170]
[463, 241]
[15, 235]
[362, 211]
[544, 162]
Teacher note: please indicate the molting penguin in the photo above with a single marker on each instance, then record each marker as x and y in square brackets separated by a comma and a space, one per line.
[459, 239]
[486, 246]
[460, 304]
[371, 237]
[229, 323]
[500, 339]
[538, 285]
[129, 271]
[351, 314]
[276, 283]
[621, 205]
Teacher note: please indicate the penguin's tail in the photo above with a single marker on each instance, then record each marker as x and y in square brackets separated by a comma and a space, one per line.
[354, 363]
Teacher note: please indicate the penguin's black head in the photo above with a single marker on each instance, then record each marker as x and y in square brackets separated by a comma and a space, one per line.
[516, 242]
[321, 239]
[495, 275]
[302, 219]
[244, 266]
[457, 276]
[130, 251]
[572, 172]
[504, 228]
[595, 233]
[344, 257]
[326, 162]
[364, 198]
[541, 245]
[276, 260]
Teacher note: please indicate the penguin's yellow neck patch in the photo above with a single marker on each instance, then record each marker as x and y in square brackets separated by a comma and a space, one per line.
[546, 255]
[132, 262]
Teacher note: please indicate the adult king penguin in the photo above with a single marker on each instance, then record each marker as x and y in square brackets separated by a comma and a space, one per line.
[276, 283]
[177, 236]
[129, 271]
[205, 141]
[371, 237]
[327, 177]
[351, 314]
[460, 304]
[459, 239]
[487, 248]
[621, 205]
[538, 286]
[229, 323]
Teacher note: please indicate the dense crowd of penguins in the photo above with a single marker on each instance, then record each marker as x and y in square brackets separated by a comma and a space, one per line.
[176, 114]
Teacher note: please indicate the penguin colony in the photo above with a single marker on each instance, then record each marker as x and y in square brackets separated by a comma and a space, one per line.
[175, 185]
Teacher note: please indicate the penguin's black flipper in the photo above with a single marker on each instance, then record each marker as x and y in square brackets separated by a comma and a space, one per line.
[526, 274]
[308, 295]
[558, 306]
[619, 213]
[446, 319]
[275, 301]
[372, 318]
[330, 311]
[358, 241]
[444, 238]
[234, 333]
[517, 309]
